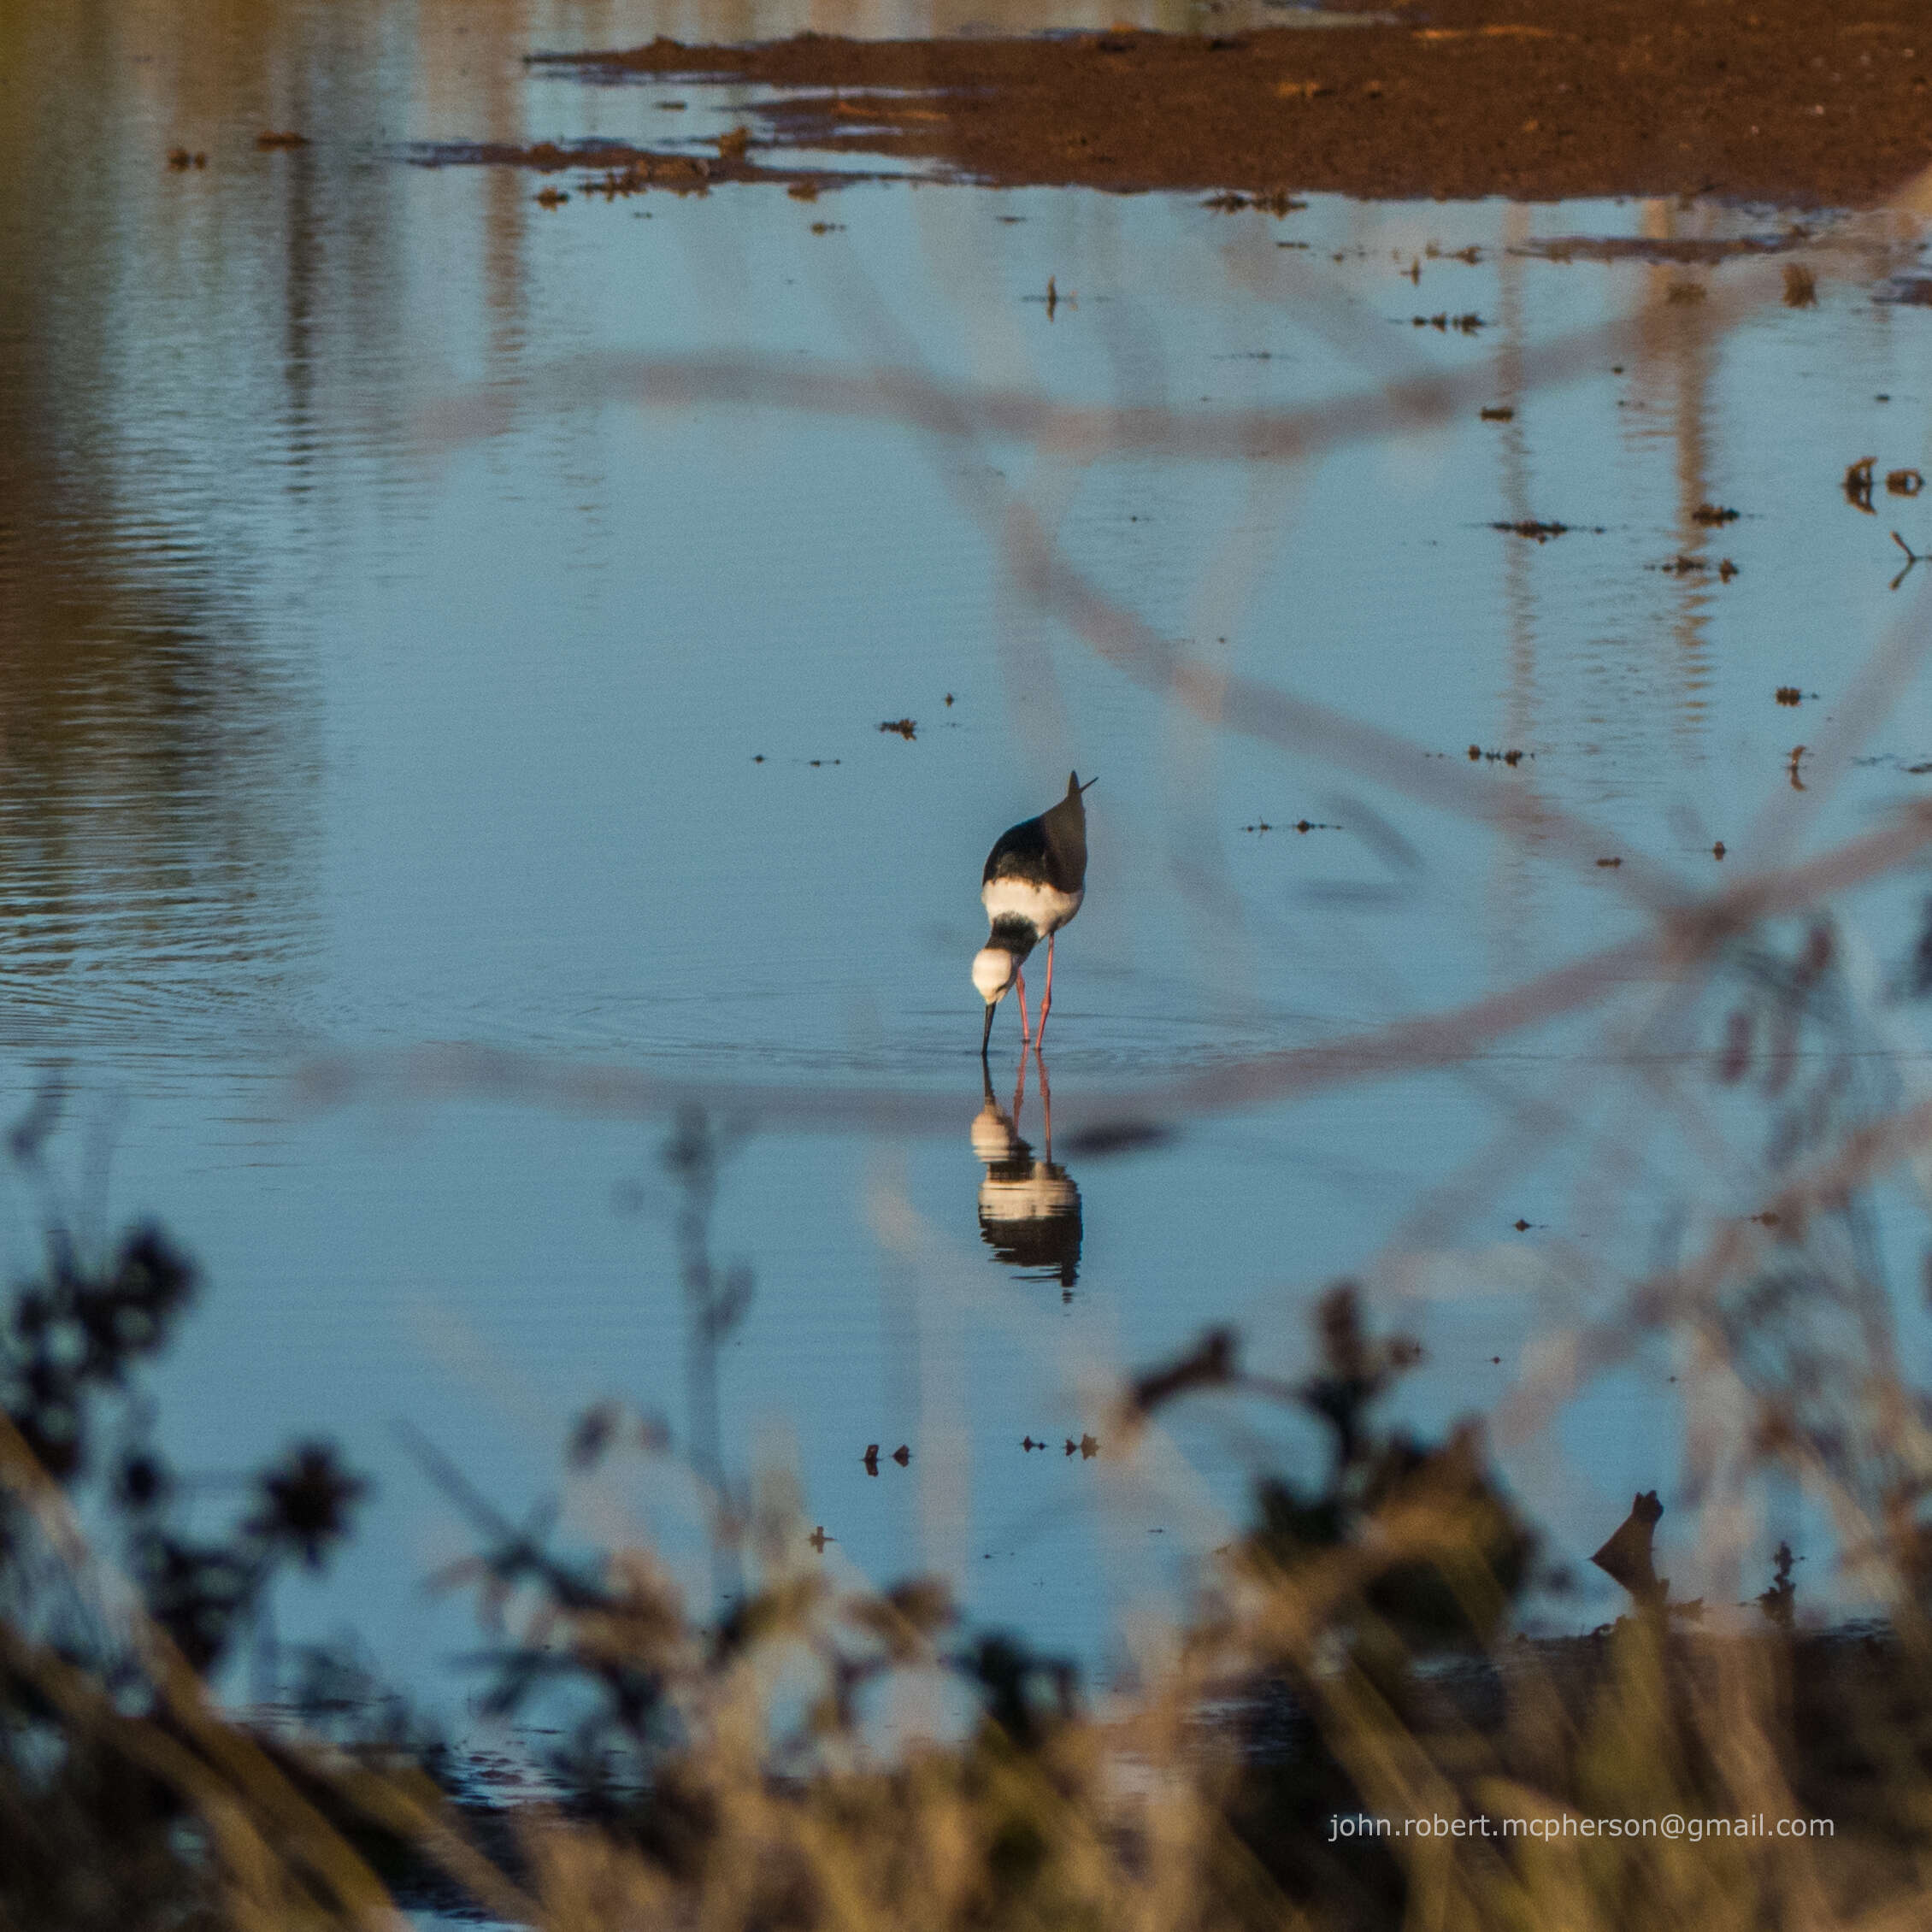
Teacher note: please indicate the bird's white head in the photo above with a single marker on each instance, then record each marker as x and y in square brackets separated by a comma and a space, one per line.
[993, 971]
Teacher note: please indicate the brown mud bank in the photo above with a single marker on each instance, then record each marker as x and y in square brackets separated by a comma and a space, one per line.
[1780, 100]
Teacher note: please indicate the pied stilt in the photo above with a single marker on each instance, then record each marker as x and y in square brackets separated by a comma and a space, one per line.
[1034, 880]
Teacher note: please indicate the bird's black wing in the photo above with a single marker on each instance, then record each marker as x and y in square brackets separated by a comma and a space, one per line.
[1050, 849]
[1065, 829]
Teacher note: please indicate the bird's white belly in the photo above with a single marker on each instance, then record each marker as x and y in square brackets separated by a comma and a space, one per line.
[1045, 1194]
[1024, 899]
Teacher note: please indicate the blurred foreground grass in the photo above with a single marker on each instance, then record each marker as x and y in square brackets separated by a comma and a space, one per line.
[792, 1763]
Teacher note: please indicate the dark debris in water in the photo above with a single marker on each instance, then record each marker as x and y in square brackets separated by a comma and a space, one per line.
[903, 727]
[615, 169]
[1626, 1557]
[1466, 324]
[1281, 203]
[1680, 250]
[1540, 529]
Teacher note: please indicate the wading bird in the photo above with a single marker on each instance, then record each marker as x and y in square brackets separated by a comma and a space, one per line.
[1034, 880]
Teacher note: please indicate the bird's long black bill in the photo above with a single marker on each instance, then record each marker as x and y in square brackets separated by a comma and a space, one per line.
[986, 1038]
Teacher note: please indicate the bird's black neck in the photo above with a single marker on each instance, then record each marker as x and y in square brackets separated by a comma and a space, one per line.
[1015, 936]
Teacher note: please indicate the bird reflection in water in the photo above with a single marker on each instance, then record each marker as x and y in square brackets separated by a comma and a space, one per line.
[1029, 1210]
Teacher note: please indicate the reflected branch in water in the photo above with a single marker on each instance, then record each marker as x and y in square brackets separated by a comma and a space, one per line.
[715, 1301]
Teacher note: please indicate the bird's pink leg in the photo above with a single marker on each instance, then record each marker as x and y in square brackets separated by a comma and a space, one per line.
[1020, 981]
[1047, 998]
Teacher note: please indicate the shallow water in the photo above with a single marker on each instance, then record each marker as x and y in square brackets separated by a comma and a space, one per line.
[335, 727]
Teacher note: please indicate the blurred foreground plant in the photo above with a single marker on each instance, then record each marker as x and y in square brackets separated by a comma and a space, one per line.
[819, 1753]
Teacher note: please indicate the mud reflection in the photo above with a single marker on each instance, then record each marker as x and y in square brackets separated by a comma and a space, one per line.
[1030, 1209]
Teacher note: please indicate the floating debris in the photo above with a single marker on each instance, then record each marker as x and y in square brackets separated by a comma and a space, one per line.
[1280, 202]
[1534, 527]
[548, 197]
[1462, 325]
[1717, 851]
[905, 727]
[871, 1458]
[1801, 287]
[1052, 298]
[1779, 1602]
[1610, 862]
[732, 143]
[1789, 694]
[1857, 483]
[1477, 754]
[1904, 482]
[271, 138]
[1500, 412]
[1737, 1061]
[179, 159]
[901, 1455]
[1726, 570]
[1711, 514]
[1626, 1559]
[818, 1538]
[1685, 251]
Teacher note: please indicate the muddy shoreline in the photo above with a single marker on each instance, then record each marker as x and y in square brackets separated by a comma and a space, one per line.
[1777, 101]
